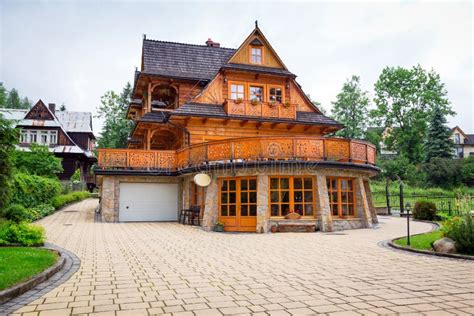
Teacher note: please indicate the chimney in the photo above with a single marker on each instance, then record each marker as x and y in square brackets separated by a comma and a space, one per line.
[211, 43]
[52, 107]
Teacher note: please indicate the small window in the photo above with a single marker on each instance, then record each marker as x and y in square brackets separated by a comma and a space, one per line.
[237, 91]
[275, 95]
[457, 138]
[24, 137]
[256, 93]
[256, 56]
[44, 137]
[33, 137]
[53, 137]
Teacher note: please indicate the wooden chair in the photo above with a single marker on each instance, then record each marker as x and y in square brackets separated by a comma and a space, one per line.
[195, 214]
[182, 216]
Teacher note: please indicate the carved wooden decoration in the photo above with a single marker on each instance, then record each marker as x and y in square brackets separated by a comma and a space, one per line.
[39, 112]
[359, 152]
[337, 149]
[248, 149]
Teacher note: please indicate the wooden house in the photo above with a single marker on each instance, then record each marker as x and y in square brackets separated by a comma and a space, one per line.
[67, 134]
[240, 116]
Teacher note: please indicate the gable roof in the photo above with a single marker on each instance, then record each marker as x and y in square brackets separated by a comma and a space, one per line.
[257, 35]
[186, 61]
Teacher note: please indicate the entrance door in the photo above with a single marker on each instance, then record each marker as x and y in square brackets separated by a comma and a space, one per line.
[238, 204]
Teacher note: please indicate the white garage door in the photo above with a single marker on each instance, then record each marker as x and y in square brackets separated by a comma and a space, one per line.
[143, 202]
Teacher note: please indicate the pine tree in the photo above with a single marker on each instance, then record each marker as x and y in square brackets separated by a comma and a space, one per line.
[438, 142]
[13, 100]
[350, 108]
[3, 96]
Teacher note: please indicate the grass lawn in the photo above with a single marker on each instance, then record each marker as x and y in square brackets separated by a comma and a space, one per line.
[20, 263]
[422, 242]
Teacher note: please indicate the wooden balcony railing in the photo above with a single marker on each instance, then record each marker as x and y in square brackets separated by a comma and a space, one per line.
[250, 149]
[260, 109]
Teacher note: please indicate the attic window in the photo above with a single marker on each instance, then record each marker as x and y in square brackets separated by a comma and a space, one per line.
[256, 55]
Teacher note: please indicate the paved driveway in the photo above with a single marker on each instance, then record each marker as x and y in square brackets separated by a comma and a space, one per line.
[154, 268]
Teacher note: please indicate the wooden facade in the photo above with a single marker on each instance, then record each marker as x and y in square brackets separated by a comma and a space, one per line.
[215, 108]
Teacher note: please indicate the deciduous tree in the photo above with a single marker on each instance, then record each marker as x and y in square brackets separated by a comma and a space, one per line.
[8, 139]
[350, 108]
[405, 98]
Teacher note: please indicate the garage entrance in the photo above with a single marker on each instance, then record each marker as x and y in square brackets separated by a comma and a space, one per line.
[146, 202]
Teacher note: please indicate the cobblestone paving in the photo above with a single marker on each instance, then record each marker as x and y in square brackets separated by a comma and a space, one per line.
[156, 268]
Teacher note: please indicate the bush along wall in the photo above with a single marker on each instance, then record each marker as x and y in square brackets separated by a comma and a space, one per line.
[31, 190]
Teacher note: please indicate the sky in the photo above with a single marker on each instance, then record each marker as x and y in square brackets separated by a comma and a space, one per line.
[72, 52]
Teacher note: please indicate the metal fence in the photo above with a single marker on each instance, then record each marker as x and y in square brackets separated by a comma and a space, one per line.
[451, 205]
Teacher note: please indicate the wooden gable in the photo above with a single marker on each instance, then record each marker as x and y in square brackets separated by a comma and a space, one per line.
[257, 39]
[39, 112]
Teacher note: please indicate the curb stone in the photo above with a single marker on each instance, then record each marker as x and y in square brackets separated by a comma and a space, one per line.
[70, 264]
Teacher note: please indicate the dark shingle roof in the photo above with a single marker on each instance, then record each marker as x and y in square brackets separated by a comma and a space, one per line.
[212, 110]
[159, 117]
[259, 69]
[470, 139]
[183, 60]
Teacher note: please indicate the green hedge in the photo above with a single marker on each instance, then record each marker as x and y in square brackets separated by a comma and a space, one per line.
[31, 190]
[21, 234]
[61, 200]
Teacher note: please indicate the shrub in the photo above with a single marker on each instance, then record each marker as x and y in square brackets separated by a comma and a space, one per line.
[41, 211]
[23, 233]
[18, 213]
[424, 210]
[443, 172]
[64, 199]
[31, 190]
[38, 161]
[461, 230]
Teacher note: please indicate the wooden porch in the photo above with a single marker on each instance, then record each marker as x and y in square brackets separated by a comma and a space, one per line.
[252, 149]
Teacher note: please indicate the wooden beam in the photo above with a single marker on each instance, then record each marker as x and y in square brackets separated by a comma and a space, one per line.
[186, 121]
[290, 126]
[243, 123]
[204, 120]
[225, 122]
[258, 125]
[307, 127]
[274, 125]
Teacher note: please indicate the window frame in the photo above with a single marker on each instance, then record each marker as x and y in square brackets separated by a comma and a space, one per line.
[35, 136]
[339, 192]
[251, 55]
[256, 85]
[291, 198]
[237, 83]
[270, 86]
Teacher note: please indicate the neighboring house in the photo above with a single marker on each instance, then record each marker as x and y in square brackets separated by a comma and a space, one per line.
[67, 134]
[239, 116]
[464, 143]
[383, 133]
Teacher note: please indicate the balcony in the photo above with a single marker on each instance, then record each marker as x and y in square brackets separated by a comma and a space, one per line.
[260, 109]
[241, 150]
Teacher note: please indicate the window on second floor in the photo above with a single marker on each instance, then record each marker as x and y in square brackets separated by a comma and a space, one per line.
[275, 94]
[237, 91]
[42, 137]
[457, 138]
[256, 93]
[256, 55]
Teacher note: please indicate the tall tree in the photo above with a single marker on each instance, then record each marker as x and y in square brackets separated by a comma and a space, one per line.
[113, 110]
[438, 142]
[8, 139]
[350, 108]
[13, 100]
[25, 103]
[405, 98]
[3, 95]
